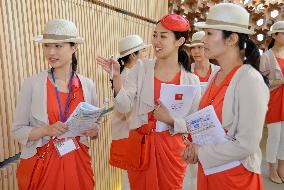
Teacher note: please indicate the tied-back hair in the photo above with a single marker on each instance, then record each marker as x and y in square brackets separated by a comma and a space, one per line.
[271, 43]
[125, 60]
[122, 62]
[74, 59]
[251, 51]
[183, 57]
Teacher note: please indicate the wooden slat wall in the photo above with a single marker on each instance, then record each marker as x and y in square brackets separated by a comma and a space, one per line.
[20, 58]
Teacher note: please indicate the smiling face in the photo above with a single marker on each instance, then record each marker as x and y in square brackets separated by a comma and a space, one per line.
[164, 42]
[58, 54]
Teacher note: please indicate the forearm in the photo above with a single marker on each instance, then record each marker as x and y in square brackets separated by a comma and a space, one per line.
[117, 84]
[275, 83]
[37, 133]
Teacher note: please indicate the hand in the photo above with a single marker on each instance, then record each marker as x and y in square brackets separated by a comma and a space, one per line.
[56, 129]
[161, 113]
[92, 133]
[108, 65]
[190, 154]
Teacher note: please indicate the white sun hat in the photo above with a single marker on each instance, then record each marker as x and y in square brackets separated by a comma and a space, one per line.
[229, 17]
[196, 39]
[130, 44]
[276, 27]
[59, 31]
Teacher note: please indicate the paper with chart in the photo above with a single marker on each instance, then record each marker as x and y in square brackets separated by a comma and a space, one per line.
[83, 118]
[177, 99]
[205, 128]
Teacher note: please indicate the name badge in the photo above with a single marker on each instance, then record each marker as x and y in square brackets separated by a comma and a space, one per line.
[65, 146]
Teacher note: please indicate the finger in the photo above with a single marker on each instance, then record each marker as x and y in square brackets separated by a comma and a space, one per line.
[160, 103]
[101, 58]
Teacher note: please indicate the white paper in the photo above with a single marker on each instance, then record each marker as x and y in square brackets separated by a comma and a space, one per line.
[205, 128]
[177, 99]
[66, 147]
[83, 118]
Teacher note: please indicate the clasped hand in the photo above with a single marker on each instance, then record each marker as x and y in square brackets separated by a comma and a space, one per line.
[190, 153]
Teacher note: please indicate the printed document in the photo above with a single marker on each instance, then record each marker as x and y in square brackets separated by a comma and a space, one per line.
[177, 99]
[205, 128]
[83, 118]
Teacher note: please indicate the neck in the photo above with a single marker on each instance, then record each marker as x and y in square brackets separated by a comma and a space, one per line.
[170, 62]
[229, 60]
[130, 64]
[203, 65]
[278, 48]
[63, 73]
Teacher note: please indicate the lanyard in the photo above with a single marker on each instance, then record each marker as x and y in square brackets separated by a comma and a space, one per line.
[62, 118]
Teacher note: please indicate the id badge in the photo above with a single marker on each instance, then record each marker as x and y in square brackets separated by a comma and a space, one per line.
[65, 146]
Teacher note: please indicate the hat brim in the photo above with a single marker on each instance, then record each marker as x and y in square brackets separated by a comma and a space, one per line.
[269, 33]
[40, 39]
[193, 45]
[231, 28]
[134, 50]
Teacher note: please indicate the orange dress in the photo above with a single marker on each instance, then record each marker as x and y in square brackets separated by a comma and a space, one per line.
[72, 171]
[275, 111]
[235, 178]
[166, 169]
[206, 78]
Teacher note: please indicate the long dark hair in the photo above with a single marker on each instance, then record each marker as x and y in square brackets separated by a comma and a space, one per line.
[74, 59]
[183, 57]
[251, 51]
[271, 43]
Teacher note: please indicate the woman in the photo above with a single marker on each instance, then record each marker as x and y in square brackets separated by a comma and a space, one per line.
[45, 102]
[166, 168]
[272, 64]
[131, 48]
[201, 66]
[239, 96]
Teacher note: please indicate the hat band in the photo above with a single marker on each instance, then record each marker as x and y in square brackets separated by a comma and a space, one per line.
[196, 41]
[57, 37]
[218, 22]
[278, 29]
[125, 51]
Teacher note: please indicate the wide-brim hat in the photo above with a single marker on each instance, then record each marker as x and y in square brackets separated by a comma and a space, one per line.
[59, 31]
[131, 44]
[228, 17]
[196, 39]
[276, 27]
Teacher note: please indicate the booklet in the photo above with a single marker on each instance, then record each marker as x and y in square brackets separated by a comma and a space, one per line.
[205, 128]
[83, 118]
[177, 99]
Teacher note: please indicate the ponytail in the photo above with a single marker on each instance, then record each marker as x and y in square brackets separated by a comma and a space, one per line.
[271, 44]
[74, 59]
[122, 62]
[74, 63]
[251, 51]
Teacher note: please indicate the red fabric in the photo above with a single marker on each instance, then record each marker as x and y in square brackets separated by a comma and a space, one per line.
[238, 177]
[275, 111]
[175, 22]
[166, 167]
[206, 78]
[73, 170]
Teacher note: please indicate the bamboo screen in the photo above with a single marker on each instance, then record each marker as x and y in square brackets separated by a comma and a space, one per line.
[102, 24]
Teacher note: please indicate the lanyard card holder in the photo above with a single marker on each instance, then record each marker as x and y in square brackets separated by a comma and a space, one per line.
[65, 145]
